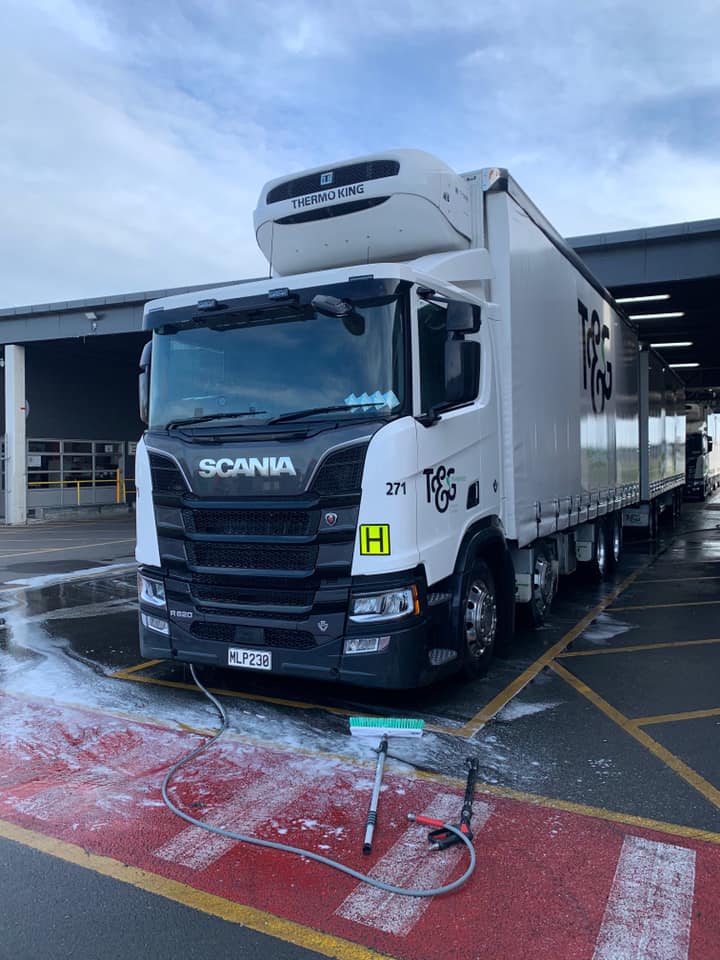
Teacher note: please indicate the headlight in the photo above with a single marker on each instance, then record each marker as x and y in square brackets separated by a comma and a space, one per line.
[385, 606]
[151, 591]
[155, 624]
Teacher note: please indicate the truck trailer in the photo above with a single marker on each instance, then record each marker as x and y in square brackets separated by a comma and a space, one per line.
[356, 468]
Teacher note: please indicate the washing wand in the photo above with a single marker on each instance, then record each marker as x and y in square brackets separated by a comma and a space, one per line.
[441, 838]
[382, 727]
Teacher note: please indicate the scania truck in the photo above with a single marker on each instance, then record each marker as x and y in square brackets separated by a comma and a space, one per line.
[356, 468]
[702, 451]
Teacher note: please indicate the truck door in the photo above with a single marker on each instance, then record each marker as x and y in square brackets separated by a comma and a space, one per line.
[458, 470]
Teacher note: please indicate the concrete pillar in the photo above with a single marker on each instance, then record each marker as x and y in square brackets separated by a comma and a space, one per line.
[15, 443]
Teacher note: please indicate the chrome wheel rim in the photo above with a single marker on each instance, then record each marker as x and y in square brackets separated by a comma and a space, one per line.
[543, 584]
[480, 619]
[601, 553]
[617, 542]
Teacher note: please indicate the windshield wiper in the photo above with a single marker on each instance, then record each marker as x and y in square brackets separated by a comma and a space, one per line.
[298, 414]
[213, 416]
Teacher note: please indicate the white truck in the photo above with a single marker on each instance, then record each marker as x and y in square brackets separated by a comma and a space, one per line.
[702, 451]
[355, 469]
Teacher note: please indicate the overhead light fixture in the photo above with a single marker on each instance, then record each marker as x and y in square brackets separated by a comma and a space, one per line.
[652, 296]
[656, 316]
[676, 366]
[667, 346]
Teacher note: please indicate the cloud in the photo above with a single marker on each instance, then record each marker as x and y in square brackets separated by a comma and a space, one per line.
[137, 136]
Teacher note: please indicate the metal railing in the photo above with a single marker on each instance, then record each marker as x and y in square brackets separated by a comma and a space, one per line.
[120, 482]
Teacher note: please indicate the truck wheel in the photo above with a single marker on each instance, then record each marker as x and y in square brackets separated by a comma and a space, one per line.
[614, 541]
[598, 567]
[478, 619]
[544, 586]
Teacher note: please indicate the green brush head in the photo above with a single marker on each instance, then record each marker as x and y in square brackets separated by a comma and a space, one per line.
[386, 726]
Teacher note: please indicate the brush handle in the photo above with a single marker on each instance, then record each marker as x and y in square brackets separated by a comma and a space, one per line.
[372, 813]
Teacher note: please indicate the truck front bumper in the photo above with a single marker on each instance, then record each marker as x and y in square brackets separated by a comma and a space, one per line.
[406, 658]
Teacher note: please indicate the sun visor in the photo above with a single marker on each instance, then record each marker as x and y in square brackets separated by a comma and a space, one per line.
[392, 206]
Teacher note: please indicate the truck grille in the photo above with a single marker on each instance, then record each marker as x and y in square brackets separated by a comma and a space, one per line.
[340, 473]
[256, 596]
[342, 177]
[166, 477]
[274, 637]
[252, 523]
[242, 556]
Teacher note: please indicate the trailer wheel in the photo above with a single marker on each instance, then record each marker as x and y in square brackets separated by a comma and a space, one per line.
[544, 586]
[614, 540]
[598, 567]
[478, 619]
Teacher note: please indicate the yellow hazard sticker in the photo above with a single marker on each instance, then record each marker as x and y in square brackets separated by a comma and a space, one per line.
[375, 539]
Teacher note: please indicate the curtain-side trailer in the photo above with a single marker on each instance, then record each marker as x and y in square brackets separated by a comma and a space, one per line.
[355, 469]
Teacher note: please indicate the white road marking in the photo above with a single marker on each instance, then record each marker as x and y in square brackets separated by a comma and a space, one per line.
[649, 909]
[409, 863]
[254, 805]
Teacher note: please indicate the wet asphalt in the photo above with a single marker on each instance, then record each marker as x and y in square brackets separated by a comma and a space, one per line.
[598, 726]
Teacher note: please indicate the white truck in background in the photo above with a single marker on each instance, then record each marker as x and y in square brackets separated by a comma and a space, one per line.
[356, 468]
[702, 451]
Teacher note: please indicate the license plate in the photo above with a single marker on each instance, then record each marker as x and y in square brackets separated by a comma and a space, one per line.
[249, 659]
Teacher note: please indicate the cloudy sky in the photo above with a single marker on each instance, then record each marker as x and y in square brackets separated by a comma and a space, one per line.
[135, 135]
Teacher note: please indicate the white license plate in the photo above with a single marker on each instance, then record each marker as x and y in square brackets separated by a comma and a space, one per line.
[249, 659]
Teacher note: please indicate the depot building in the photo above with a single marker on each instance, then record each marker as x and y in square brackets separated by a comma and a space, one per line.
[70, 398]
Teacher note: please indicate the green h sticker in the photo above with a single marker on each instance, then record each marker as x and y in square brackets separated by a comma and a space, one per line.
[374, 539]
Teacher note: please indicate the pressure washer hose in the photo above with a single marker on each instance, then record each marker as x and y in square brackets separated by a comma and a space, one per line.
[286, 848]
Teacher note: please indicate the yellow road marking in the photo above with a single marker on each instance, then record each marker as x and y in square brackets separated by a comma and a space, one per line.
[678, 580]
[80, 546]
[122, 674]
[690, 776]
[477, 722]
[250, 917]
[658, 606]
[671, 717]
[635, 648]
[257, 697]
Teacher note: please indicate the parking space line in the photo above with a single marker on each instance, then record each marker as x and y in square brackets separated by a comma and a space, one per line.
[407, 864]
[476, 723]
[650, 907]
[636, 648]
[686, 773]
[658, 606]
[678, 580]
[672, 717]
[123, 674]
[80, 546]
[250, 917]
[256, 697]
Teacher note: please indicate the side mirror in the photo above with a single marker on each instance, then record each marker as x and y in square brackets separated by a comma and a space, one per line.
[462, 317]
[462, 371]
[710, 444]
[144, 383]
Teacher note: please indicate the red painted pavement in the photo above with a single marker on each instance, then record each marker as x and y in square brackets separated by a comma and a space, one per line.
[540, 888]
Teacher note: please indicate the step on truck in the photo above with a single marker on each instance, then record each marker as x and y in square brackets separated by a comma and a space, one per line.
[357, 468]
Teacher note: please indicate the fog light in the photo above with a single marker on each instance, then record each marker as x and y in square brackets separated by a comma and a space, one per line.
[366, 644]
[151, 591]
[155, 624]
[385, 606]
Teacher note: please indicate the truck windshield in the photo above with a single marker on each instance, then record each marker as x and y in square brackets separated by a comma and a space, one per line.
[305, 363]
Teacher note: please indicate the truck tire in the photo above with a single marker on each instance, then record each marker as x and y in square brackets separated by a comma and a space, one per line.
[614, 540]
[544, 586]
[478, 615]
[599, 567]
